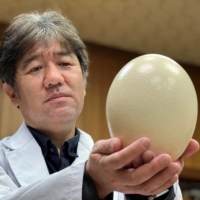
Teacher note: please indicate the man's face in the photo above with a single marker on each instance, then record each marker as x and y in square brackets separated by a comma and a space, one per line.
[50, 87]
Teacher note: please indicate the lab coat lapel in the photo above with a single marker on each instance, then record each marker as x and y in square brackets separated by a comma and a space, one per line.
[84, 147]
[22, 145]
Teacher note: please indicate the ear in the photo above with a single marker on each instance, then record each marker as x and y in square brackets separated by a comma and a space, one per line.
[84, 92]
[10, 92]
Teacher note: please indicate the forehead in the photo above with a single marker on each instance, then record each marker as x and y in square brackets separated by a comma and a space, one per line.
[52, 46]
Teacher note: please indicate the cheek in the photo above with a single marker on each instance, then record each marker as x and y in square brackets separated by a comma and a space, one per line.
[82, 89]
[75, 81]
[29, 93]
[25, 99]
[79, 91]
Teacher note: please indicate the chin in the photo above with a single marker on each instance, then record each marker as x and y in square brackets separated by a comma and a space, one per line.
[63, 117]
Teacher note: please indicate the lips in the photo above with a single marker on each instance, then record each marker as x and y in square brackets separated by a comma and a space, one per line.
[57, 96]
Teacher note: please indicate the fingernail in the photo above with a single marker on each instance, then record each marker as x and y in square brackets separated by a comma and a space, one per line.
[145, 143]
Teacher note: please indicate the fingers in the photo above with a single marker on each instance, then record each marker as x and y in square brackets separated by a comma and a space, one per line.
[136, 162]
[180, 163]
[156, 178]
[192, 148]
[122, 158]
[149, 170]
[149, 189]
[107, 146]
[147, 156]
[145, 172]
[162, 180]
[163, 187]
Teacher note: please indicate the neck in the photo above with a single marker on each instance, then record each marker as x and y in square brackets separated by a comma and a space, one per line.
[59, 139]
[57, 134]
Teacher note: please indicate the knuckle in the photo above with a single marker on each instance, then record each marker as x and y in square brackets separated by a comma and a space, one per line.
[114, 160]
[146, 190]
[99, 147]
[95, 147]
[173, 179]
[173, 169]
[103, 163]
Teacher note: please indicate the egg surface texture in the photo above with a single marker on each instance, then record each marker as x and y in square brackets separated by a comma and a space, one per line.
[153, 96]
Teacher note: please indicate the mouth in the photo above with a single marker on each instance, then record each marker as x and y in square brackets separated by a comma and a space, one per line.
[58, 97]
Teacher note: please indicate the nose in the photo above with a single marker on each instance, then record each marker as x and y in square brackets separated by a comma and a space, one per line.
[53, 76]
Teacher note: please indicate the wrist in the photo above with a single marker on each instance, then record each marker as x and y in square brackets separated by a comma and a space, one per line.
[101, 187]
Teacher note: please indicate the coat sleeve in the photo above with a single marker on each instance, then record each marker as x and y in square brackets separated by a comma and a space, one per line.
[66, 184]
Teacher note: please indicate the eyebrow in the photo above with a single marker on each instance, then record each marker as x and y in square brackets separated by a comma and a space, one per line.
[29, 60]
[35, 57]
[63, 53]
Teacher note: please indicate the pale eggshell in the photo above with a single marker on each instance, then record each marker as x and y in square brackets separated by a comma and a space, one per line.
[152, 96]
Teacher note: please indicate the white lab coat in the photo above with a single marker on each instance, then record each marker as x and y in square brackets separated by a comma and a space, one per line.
[24, 174]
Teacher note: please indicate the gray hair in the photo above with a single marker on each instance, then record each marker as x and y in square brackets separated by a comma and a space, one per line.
[31, 29]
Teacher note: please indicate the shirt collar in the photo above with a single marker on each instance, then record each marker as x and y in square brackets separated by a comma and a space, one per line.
[69, 146]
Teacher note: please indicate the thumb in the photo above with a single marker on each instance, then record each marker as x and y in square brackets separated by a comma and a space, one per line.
[192, 148]
[108, 146]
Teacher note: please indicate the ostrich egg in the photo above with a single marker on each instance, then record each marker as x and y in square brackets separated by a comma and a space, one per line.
[152, 96]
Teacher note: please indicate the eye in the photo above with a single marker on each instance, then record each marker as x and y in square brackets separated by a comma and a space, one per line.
[63, 64]
[35, 69]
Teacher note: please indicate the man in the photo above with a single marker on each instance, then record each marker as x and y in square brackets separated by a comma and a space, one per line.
[43, 67]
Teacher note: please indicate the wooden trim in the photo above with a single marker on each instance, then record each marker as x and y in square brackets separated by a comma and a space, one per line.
[190, 174]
